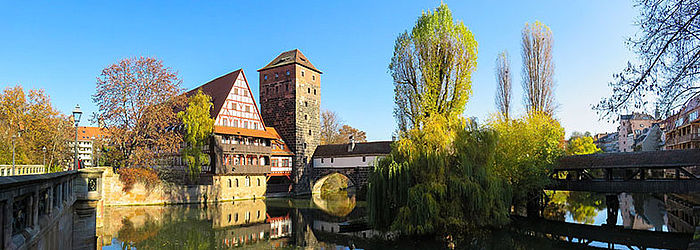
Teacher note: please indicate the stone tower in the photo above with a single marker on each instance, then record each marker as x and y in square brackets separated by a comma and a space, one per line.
[290, 101]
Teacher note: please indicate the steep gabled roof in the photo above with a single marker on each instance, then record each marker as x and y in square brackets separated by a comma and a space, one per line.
[243, 131]
[361, 148]
[291, 57]
[218, 89]
[277, 151]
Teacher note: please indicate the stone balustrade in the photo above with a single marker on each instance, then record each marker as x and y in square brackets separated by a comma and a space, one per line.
[6, 170]
[50, 211]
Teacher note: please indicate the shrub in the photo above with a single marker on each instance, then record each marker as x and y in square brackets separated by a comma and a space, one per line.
[130, 175]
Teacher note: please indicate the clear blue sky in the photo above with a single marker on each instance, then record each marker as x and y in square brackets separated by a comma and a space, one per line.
[61, 47]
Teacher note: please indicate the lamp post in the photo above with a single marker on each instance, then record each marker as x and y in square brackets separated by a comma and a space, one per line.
[44, 149]
[76, 117]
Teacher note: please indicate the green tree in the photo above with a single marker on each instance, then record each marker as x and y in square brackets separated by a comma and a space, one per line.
[581, 146]
[431, 68]
[439, 179]
[528, 148]
[198, 126]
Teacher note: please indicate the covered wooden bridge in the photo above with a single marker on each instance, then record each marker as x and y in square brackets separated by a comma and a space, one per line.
[668, 171]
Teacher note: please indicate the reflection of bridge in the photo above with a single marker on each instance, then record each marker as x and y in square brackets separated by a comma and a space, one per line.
[670, 171]
[585, 234]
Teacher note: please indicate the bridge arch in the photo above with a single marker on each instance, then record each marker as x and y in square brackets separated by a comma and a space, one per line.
[334, 177]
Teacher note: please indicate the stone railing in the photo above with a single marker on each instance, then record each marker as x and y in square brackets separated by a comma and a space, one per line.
[6, 170]
[54, 210]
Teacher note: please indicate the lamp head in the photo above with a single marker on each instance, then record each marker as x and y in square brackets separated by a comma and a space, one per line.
[77, 113]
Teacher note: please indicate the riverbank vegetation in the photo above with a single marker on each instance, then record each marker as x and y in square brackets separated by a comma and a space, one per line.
[446, 173]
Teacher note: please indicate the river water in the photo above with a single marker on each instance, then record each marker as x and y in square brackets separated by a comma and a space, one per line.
[655, 221]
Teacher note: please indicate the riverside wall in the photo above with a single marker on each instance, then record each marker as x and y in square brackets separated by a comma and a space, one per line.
[222, 188]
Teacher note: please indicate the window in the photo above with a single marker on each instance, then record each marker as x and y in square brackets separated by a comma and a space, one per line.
[236, 186]
[306, 117]
[287, 72]
[245, 124]
[693, 116]
[225, 122]
[265, 76]
[247, 108]
[235, 91]
[313, 77]
[364, 159]
[229, 182]
[309, 131]
[287, 86]
[229, 217]
[332, 159]
[235, 123]
[321, 160]
[309, 90]
[306, 104]
[258, 182]
[314, 91]
[276, 76]
[247, 181]
[641, 125]
[302, 73]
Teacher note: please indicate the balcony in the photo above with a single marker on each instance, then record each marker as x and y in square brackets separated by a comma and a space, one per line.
[244, 169]
[242, 148]
[683, 139]
[281, 169]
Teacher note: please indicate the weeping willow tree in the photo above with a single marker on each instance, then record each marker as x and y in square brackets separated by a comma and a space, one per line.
[439, 180]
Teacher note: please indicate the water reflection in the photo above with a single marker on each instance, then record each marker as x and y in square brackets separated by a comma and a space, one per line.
[317, 223]
[655, 212]
[339, 203]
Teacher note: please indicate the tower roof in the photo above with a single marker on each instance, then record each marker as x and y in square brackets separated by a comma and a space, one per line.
[291, 57]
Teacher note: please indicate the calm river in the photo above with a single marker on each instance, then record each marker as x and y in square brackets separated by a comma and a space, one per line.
[573, 220]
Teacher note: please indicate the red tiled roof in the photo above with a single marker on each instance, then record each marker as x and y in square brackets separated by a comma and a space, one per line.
[277, 151]
[290, 57]
[218, 89]
[91, 133]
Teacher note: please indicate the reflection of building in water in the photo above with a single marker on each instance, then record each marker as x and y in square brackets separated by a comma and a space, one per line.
[680, 213]
[238, 213]
[334, 227]
[280, 227]
[649, 213]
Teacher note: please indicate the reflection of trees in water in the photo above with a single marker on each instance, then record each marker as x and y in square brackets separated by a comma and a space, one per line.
[338, 204]
[173, 231]
[583, 206]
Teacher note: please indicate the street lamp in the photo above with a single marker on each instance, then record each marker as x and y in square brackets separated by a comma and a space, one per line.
[14, 136]
[44, 149]
[76, 117]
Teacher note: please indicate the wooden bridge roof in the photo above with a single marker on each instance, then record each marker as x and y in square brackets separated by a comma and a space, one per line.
[647, 159]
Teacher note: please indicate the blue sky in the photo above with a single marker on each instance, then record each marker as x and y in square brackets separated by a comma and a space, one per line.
[62, 47]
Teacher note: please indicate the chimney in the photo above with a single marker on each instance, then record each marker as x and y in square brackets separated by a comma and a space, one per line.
[351, 146]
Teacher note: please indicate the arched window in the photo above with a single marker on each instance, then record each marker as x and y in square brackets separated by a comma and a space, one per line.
[258, 186]
[229, 182]
[236, 186]
[247, 181]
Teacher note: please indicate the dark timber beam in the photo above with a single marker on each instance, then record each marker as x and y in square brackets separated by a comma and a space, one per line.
[633, 186]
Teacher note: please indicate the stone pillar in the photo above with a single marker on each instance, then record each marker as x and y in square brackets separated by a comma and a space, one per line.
[87, 208]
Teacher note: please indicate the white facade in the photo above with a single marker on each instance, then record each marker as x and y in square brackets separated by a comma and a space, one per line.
[346, 161]
[85, 152]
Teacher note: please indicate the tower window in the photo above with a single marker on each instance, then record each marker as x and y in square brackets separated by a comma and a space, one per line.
[287, 72]
[265, 76]
[309, 90]
[309, 131]
[313, 77]
[314, 91]
[287, 86]
[332, 160]
[302, 73]
[306, 104]
[306, 117]
[277, 75]
[364, 159]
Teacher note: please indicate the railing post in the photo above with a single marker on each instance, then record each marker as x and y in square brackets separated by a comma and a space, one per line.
[608, 174]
